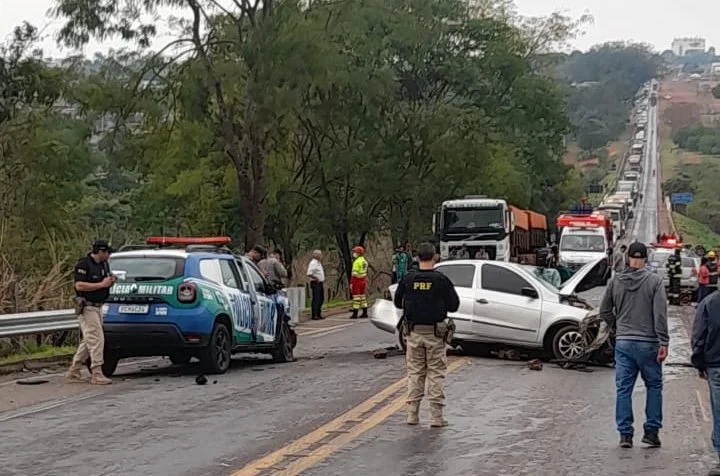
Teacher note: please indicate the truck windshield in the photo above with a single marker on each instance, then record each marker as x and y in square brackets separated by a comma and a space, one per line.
[592, 243]
[473, 220]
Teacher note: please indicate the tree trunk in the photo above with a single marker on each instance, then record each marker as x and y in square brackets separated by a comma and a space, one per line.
[345, 257]
[252, 180]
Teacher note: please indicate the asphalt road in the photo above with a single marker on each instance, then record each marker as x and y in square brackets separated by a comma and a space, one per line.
[336, 411]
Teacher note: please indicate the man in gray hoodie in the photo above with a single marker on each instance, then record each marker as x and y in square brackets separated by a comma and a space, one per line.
[635, 304]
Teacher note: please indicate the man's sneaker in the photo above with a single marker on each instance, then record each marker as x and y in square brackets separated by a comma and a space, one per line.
[74, 376]
[715, 471]
[626, 441]
[652, 440]
[99, 379]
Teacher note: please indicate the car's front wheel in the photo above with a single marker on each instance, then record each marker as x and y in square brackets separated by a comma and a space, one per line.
[568, 344]
[215, 358]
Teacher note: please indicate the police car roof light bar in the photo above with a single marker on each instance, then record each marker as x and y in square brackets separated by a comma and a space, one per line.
[185, 240]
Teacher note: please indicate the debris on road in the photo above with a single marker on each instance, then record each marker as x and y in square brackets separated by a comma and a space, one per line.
[579, 366]
[32, 382]
[383, 353]
[201, 379]
[535, 364]
[509, 354]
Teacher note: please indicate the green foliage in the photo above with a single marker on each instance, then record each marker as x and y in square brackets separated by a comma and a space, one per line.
[701, 180]
[315, 128]
[605, 81]
[698, 138]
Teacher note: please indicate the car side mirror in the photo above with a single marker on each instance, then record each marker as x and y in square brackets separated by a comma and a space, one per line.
[529, 292]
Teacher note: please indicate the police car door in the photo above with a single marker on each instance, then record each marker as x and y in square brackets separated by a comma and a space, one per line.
[238, 292]
[265, 308]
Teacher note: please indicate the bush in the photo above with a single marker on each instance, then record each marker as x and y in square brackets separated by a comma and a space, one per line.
[701, 139]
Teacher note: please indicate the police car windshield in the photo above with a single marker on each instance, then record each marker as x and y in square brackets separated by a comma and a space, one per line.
[147, 268]
[469, 220]
[592, 243]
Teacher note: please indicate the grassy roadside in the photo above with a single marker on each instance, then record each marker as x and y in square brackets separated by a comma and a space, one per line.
[37, 352]
[694, 232]
[669, 158]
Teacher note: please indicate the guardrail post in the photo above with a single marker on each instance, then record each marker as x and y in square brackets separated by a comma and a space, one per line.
[296, 296]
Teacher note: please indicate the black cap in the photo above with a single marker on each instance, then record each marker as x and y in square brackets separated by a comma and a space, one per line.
[101, 245]
[637, 250]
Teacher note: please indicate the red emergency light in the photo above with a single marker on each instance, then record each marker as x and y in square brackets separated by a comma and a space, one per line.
[670, 243]
[188, 240]
[583, 221]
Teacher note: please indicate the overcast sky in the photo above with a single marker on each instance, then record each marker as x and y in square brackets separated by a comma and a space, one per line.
[653, 21]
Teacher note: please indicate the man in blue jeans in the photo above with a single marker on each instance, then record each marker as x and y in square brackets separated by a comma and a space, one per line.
[636, 305]
[706, 358]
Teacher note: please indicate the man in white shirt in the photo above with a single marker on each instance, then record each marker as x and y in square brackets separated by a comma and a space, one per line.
[316, 274]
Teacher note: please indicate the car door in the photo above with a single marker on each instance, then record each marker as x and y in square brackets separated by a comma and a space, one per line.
[265, 308]
[503, 313]
[463, 277]
[240, 298]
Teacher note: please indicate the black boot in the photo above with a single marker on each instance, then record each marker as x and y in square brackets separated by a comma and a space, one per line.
[364, 313]
[354, 314]
[626, 441]
[652, 440]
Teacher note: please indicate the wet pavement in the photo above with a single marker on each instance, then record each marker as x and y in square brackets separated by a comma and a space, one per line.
[338, 411]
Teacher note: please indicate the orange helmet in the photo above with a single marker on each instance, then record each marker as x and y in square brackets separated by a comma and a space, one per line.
[359, 250]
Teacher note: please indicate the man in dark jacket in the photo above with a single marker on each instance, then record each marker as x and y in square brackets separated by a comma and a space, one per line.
[636, 305]
[706, 358]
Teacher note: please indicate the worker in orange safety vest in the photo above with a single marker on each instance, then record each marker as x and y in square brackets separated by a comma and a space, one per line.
[358, 282]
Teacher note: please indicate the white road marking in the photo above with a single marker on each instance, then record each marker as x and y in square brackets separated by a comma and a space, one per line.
[703, 409]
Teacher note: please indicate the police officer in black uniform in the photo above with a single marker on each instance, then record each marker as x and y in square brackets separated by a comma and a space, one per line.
[93, 281]
[674, 270]
[426, 296]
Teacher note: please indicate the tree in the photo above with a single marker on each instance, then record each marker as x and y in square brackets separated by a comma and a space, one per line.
[236, 47]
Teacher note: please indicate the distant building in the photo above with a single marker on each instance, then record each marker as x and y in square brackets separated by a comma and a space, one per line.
[688, 46]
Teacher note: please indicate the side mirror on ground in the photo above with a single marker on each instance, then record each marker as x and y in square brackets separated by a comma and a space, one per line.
[529, 292]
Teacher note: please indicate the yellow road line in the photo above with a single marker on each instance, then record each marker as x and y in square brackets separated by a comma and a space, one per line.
[324, 329]
[310, 449]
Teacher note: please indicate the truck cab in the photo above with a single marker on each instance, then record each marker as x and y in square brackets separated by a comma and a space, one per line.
[476, 223]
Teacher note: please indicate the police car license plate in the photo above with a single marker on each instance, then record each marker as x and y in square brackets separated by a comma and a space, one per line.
[134, 309]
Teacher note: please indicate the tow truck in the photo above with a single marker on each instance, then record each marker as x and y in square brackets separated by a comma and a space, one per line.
[584, 238]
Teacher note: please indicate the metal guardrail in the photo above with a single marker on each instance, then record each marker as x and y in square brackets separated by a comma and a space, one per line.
[27, 323]
[39, 322]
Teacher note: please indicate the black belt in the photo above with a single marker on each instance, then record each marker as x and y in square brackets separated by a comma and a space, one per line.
[94, 304]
